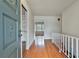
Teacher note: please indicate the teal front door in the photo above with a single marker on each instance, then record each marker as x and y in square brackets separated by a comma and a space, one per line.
[9, 28]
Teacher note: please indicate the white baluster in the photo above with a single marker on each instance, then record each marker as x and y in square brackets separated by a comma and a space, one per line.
[60, 43]
[68, 46]
[63, 43]
[72, 46]
[77, 47]
[67, 42]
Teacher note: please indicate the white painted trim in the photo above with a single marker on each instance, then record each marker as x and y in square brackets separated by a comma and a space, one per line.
[21, 49]
[68, 46]
[63, 43]
[77, 47]
[28, 47]
[68, 37]
[72, 46]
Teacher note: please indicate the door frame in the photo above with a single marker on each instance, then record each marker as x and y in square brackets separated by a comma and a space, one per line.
[22, 7]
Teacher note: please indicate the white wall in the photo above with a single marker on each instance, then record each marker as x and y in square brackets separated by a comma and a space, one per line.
[70, 20]
[30, 25]
[51, 25]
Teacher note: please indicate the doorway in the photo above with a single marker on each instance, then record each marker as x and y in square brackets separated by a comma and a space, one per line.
[23, 29]
[39, 34]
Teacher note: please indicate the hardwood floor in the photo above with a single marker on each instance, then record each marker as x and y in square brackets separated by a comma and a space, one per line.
[47, 51]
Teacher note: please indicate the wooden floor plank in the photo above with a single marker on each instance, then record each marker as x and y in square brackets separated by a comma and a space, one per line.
[48, 51]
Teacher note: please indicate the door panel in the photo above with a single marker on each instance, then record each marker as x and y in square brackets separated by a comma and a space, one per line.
[9, 29]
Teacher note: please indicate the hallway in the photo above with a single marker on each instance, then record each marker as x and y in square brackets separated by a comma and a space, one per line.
[49, 51]
[39, 29]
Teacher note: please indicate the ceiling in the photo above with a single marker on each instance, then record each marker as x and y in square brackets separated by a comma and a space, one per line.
[49, 7]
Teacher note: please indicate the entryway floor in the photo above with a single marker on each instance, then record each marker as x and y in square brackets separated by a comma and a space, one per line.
[48, 51]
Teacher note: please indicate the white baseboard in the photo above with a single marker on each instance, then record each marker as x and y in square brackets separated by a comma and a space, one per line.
[28, 46]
